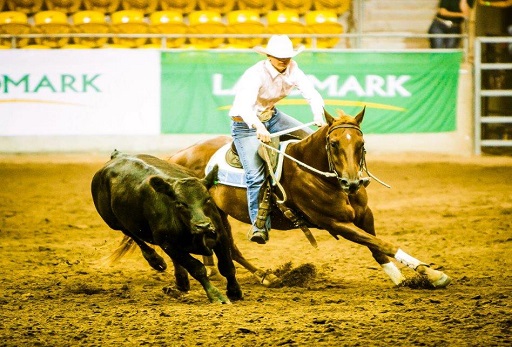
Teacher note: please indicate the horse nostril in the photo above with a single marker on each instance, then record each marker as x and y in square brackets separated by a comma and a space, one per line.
[344, 182]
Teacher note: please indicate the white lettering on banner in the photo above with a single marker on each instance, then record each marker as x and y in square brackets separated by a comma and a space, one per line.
[373, 85]
[54, 84]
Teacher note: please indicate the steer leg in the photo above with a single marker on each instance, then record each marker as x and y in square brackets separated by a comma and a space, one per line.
[149, 253]
[197, 270]
[227, 269]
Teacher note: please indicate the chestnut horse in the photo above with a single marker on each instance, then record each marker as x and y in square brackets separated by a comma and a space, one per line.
[324, 185]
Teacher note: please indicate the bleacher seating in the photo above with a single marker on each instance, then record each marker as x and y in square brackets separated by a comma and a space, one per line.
[183, 6]
[66, 6]
[299, 6]
[208, 17]
[92, 22]
[51, 22]
[167, 22]
[261, 6]
[14, 23]
[129, 22]
[36, 46]
[338, 6]
[221, 6]
[285, 22]
[244, 22]
[206, 22]
[323, 22]
[146, 6]
[29, 7]
[105, 6]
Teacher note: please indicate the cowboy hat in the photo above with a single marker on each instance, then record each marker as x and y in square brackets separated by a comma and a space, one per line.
[279, 46]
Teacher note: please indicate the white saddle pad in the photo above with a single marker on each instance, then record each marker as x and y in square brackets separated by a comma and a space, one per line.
[233, 176]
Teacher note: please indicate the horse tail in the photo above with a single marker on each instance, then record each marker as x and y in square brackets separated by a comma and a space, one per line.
[127, 244]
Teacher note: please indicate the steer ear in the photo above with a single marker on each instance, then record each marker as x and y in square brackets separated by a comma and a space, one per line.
[211, 178]
[161, 186]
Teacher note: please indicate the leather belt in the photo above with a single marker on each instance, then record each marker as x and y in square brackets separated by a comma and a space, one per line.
[263, 116]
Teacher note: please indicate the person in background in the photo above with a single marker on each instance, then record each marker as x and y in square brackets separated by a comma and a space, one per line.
[254, 116]
[449, 19]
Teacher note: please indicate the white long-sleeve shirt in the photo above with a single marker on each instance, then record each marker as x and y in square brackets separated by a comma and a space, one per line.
[262, 86]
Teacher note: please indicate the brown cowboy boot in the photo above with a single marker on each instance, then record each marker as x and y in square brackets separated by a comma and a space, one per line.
[259, 231]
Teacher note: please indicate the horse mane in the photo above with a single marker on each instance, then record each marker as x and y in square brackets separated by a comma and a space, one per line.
[344, 118]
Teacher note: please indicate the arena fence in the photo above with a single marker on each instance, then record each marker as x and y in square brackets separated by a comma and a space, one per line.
[492, 95]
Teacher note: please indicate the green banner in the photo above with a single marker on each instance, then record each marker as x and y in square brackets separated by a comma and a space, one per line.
[411, 92]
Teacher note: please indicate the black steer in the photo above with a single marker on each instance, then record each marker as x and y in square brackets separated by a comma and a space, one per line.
[153, 201]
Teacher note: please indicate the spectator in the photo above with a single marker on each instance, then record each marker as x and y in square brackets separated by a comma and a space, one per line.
[449, 19]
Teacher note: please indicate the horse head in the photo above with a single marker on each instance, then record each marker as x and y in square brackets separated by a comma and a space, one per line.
[345, 149]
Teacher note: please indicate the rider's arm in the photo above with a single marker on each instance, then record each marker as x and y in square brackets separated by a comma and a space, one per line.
[311, 95]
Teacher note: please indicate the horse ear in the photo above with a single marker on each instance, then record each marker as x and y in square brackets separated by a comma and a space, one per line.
[360, 116]
[211, 178]
[330, 119]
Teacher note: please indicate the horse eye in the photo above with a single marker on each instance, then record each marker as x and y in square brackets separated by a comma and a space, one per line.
[334, 144]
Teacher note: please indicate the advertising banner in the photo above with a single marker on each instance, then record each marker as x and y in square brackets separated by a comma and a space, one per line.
[79, 92]
[406, 92]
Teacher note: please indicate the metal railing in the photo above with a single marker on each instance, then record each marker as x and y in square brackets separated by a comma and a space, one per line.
[482, 93]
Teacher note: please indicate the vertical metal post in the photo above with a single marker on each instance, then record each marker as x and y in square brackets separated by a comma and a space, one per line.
[477, 97]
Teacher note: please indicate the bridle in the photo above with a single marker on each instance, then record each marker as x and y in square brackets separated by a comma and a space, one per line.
[332, 168]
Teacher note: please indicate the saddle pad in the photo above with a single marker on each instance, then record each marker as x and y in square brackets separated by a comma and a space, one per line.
[232, 176]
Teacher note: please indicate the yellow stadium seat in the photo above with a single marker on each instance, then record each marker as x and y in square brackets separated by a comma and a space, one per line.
[146, 6]
[206, 22]
[74, 46]
[116, 46]
[36, 47]
[51, 22]
[26, 6]
[105, 6]
[338, 6]
[129, 22]
[323, 22]
[221, 6]
[90, 22]
[14, 23]
[262, 6]
[245, 22]
[286, 22]
[66, 6]
[168, 22]
[300, 6]
[183, 6]
[5, 47]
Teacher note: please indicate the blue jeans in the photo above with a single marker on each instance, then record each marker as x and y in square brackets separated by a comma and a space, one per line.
[254, 166]
[438, 27]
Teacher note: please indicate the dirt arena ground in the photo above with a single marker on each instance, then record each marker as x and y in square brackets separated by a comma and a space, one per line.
[57, 290]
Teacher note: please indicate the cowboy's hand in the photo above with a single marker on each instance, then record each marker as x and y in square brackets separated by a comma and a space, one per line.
[319, 120]
[262, 133]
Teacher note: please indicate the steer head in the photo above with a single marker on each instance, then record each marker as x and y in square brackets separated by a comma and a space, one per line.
[193, 207]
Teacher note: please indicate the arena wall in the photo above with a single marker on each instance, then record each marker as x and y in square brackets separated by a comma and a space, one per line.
[42, 115]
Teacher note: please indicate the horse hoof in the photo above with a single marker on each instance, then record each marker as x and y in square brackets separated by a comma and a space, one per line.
[267, 279]
[442, 282]
[437, 278]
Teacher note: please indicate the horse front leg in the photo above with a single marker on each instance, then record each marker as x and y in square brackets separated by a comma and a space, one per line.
[349, 231]
[367, 224]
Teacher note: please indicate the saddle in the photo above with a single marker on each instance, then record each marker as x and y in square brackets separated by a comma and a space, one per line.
[267, 196]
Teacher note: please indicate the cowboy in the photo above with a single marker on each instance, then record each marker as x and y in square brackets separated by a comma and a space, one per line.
[254, 116]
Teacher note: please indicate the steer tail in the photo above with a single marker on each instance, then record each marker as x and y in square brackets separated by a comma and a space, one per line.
[127, 244]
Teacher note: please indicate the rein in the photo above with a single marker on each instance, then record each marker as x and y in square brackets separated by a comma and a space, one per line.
[333, 172]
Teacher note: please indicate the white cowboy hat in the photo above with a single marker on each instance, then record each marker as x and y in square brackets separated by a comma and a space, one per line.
[279, 46]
